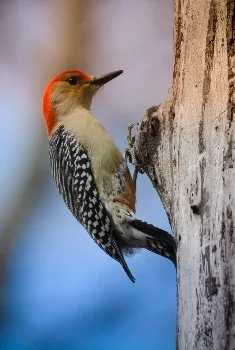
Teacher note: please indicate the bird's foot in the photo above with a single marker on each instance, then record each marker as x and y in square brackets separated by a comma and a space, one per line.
[129, 153]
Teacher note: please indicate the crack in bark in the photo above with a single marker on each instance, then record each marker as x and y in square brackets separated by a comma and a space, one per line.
[230, 33]
[178, 40]
[229, 313]
[209, 56]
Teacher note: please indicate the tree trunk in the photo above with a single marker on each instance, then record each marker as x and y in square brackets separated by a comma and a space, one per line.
[187, 147]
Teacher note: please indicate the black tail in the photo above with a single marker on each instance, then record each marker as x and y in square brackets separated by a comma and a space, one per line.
[120, 258]
[158, 240]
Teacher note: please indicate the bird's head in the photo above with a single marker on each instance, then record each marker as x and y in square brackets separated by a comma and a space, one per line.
[69, 90]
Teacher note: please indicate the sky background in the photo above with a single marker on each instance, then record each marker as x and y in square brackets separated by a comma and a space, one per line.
[60, 291]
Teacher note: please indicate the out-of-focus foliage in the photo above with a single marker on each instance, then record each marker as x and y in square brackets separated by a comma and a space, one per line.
[58, 289]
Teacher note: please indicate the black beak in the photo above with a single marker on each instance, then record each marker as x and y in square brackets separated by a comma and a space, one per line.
[103, 79]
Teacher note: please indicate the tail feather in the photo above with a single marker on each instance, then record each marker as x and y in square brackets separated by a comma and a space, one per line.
[163, 250]
[158, 240]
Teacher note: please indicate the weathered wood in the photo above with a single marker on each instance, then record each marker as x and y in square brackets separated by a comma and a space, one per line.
[187, 146]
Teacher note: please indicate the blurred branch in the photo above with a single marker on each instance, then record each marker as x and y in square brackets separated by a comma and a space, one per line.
[65, 20]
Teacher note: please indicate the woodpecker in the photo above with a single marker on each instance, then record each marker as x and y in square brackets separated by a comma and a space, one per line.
[90, 172]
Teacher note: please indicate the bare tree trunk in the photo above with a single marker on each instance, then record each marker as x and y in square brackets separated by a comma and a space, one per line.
[187, 146]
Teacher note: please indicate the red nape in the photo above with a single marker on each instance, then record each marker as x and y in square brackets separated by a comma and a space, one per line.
[48, 111]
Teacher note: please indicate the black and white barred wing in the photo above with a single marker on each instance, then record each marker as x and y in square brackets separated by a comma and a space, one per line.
[73, 175]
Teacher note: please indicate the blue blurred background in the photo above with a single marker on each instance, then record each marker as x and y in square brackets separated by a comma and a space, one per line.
[58, 289]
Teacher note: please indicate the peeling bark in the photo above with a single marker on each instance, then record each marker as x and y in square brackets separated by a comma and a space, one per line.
[187, 148]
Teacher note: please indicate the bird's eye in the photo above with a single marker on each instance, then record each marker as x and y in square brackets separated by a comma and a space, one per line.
[73, 80]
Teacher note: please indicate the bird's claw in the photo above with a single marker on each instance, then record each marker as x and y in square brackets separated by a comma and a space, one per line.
[129, 153]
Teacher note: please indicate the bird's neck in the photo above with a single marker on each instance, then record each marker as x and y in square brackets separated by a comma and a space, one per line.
[72, 118]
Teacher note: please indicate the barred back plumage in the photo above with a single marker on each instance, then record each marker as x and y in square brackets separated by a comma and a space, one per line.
[72, 172]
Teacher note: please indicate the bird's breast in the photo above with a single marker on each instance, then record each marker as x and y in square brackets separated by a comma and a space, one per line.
[108, 165]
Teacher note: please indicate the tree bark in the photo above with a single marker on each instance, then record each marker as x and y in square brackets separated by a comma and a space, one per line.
[187, 148]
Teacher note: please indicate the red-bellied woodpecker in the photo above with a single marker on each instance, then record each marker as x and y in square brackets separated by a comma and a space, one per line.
[90, 172]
